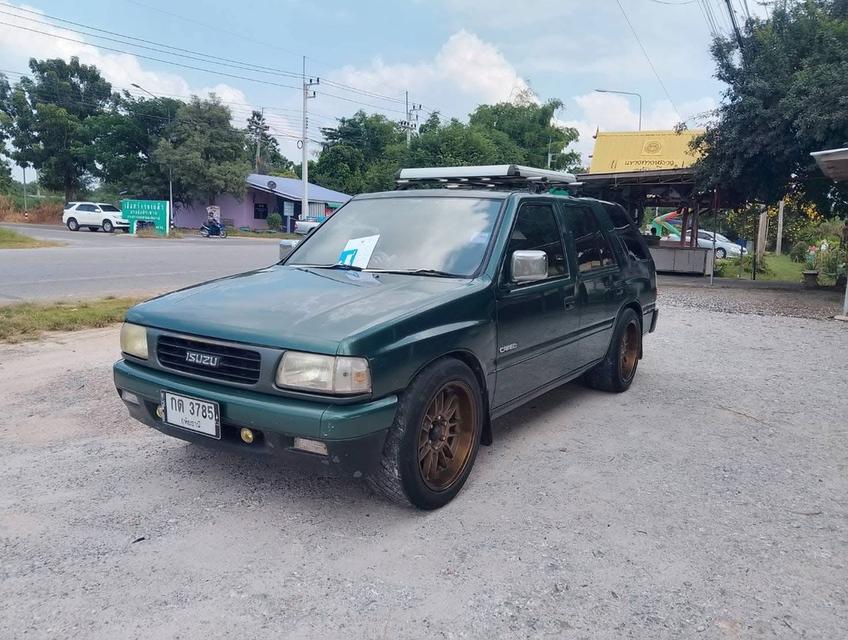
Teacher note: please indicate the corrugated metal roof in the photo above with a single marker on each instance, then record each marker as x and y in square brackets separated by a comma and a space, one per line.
[626, 151]
[292, 188]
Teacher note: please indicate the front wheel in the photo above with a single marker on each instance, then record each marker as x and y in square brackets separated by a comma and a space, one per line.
[721, 253]
[108, 227]
[223, 233]
[204, 232]
[434, 440]
[616, 371]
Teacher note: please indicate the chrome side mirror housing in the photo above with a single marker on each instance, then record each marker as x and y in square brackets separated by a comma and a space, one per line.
[529, 266]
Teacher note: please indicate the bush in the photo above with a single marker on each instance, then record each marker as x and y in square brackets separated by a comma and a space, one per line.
[275, 221]
[798, 252]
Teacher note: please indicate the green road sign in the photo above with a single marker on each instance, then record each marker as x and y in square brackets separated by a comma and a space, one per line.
[148, 212]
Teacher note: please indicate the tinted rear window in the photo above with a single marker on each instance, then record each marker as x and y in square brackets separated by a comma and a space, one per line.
[631, 241]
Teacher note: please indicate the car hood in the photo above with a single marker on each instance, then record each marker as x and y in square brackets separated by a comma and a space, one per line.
[296, 307]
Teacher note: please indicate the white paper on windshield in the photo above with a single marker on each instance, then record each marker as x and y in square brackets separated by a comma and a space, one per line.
[357, 252]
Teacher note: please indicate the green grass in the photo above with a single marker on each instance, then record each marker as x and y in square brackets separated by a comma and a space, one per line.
[10, 239]
[27, 321]
[778, 268]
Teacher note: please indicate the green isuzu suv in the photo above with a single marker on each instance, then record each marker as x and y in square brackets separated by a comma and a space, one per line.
[386, 343]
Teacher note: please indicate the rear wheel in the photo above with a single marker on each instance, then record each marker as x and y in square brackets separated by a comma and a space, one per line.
[433, 443]
[73, 225]
[108, 227]
[616, 371]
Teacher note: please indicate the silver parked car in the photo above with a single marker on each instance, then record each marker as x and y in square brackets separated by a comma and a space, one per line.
[723, 247]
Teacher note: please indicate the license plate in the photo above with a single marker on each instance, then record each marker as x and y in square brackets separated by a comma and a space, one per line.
[201, 416]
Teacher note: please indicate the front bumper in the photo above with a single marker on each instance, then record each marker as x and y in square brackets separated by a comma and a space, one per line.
[354, 433]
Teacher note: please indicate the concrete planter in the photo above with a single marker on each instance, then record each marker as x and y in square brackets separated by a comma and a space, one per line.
[811, 279]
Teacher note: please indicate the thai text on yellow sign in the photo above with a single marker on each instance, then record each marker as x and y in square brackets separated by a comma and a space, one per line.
[619, 152]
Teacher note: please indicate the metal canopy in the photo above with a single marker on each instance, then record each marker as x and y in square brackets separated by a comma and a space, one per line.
[484, 176]
[833, 163]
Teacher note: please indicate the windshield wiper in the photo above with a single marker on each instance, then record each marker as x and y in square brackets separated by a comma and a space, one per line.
[421, 272]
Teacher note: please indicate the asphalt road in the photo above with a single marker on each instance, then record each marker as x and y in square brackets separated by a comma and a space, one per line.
[708, 502]
[96, 264]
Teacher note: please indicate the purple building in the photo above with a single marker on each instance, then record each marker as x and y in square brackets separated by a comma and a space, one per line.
[264, 195]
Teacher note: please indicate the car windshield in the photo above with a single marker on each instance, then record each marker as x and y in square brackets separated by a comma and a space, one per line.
[109, 207]
[443, 235]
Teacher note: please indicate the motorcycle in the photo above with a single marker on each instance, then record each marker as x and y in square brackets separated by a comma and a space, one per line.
[213, 228]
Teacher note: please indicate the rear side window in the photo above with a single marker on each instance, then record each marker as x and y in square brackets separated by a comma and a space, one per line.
[86, 207]
[536, 229]
[632, 244]
[110, 208]
[593, 248]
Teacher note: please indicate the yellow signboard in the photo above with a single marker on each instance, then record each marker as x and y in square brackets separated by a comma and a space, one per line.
[619, 152]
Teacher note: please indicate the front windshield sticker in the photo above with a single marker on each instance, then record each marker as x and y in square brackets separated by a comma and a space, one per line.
[481, 237]
[357, 252]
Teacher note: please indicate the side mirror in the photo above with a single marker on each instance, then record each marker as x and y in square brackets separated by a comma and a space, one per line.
[529, 266]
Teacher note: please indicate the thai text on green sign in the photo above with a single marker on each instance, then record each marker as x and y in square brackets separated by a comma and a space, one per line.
[147, 212]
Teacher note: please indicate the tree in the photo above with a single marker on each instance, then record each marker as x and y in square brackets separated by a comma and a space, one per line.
[785, 98]
[205, 151]
[124, 141]
[5, 123]
[269, 160]
[49, 114]
[533, 129]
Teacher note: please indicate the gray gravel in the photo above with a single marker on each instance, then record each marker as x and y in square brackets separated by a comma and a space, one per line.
[709, 501]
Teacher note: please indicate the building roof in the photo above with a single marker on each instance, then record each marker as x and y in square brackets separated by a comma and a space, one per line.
[833, 163]
[292, 189]
[627, 151]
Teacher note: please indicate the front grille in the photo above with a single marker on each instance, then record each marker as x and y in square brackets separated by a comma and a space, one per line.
[235, 364]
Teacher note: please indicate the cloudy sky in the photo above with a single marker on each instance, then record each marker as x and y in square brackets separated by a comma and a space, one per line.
[450, 55]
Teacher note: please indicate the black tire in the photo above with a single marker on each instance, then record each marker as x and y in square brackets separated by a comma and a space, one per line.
[399, 476]
[615, 373]
[223, 233]
[204, 232]
[108, 227]
[73, 225]
[721, 253]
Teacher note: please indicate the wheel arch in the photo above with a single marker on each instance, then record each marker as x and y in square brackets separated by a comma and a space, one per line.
[472, 362]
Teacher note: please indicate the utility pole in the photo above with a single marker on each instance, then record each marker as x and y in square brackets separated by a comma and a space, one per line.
[408, 124]
[734, 23]
[258, 139]
[170, 169]
[26, 209]
[304, 169]
[779, 248]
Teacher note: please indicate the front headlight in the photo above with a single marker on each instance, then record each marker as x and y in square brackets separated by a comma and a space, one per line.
[134, 340]
[325, 374]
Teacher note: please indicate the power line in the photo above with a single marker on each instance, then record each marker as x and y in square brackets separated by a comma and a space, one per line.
[648, 58]
[183, 53]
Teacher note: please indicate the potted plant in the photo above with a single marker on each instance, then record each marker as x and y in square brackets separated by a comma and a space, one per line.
[811, 273]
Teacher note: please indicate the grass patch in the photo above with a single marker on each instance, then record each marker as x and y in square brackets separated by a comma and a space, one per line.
[27, 321]
[10, 239]
[778, 269]
[173, 234]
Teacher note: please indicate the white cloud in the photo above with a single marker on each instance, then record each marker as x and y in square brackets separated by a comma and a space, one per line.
[465, 72]
[612, 112]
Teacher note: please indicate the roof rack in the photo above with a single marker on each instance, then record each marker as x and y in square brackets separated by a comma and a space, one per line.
[496, 177]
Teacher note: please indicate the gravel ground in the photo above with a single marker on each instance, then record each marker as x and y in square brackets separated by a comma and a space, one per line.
[707, 502]
[795, 303]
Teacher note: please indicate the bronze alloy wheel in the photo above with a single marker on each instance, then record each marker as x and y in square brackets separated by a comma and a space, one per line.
[629, 351]
[446, 435]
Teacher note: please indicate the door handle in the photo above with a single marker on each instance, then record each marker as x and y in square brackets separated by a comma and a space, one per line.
[570, 304]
